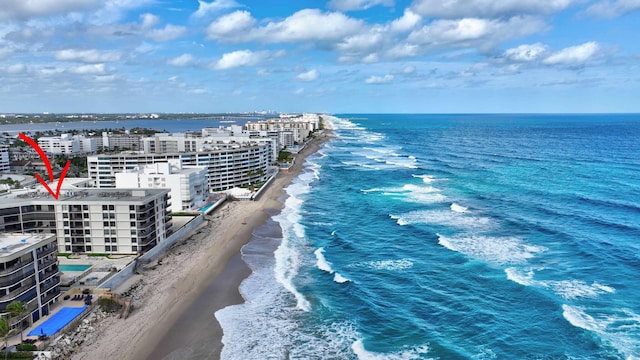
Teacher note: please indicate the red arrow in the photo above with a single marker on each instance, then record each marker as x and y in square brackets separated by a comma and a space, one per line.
[47, 163]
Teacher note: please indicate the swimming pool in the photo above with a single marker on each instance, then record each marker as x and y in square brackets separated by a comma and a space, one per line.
[73, 267]
[57, 321]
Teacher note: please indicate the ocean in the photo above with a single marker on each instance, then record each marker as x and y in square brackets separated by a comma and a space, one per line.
[451, 237]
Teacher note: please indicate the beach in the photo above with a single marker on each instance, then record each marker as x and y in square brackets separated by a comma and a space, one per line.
[207, 261]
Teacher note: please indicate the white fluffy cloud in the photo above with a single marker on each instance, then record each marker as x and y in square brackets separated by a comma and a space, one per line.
[573, 55]
[348, 5]
[239, 58]
[475, 31]
[453, 9]
[182, 60]
[169, 32]
[205, 8]
[614, 8]
[88, 69]
[87, 56]
[408, 21]
[308, 75]
[232, 26]
[526, 53]
[379, 79]
[304, 25]
[23, 9]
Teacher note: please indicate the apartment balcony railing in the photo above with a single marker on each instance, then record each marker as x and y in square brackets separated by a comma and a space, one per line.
[19, 291]
[45, 264]
[15, 267]
[46, 298]
[42, 253]
[15, 277]
[53, 282]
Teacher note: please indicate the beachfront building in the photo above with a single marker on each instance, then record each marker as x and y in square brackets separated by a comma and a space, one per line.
[111, 221]
[29, 273]
[110, 141]
[67, 145]
[228, 164]
[4, 159]
[188, 184]
[294, 129]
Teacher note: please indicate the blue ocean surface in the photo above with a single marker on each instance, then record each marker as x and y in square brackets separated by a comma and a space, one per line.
[452, 237]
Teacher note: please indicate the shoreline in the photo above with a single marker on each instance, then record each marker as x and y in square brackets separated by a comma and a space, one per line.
[164, 291]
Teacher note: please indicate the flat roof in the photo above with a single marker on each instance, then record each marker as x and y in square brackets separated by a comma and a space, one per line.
[12, 243]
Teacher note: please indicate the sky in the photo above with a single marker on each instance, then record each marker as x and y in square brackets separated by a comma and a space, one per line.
[337, 56]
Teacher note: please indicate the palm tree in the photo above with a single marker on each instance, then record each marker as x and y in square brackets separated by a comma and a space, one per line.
[17, 310]
[5, 332]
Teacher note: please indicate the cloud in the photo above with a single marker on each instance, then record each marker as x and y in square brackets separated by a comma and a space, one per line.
[304, 25]
[24, 9]
[526, 53]
[573, 55]
[453, 9]
[349, 5]
[205, 8]
[239, 58]
[408, 21]
[169, 32]
[484, 33]
[16, 68]
[87, 56]
[610, 9]
[182, 60]
[379, 79]
[231, 26]
[149, 21]
[309, 75]
[87, 69]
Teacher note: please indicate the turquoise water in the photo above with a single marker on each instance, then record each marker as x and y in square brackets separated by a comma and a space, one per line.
[73, 267]
[452, 237]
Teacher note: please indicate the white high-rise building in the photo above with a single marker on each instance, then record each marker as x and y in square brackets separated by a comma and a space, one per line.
[188, 184]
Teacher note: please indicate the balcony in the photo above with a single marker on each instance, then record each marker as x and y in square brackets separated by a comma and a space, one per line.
[15, 267]
[19, 291]
[16, 277]
[50, 284]
[48, 262]
[42, 253]
[46, 298]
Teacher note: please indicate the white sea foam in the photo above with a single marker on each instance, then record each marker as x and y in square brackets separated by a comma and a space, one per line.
[427, 179]
[517, 275]
[408, 353]
[493, 249]
[458, 208]
[573, 289]
[339, 278]
[324, 265]
[618, 328]
[445, 217]
[389, 265]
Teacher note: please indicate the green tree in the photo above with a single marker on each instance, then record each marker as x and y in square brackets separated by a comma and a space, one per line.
[5, 333]
[18, 310]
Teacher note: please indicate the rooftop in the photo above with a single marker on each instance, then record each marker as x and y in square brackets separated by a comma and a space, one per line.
[12, 243]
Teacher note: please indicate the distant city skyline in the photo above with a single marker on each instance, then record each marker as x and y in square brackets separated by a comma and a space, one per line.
[338, 56]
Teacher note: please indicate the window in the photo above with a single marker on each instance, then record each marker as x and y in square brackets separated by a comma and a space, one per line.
[88, 248]
[85, 207]
[112, 207]
[134, 248]
[133, 231]
[65, 223]
[67, 232]
[107, 248]
[134, 240]
[67, 239]
[87, 232]
[67, 248]
[133, 224]
[112, 223]
[132, 207]
[105, 223]
[105, 207]
[87, 224]
[105, 215]
[114, 248]
[132, 216]
[85, 215]
[65, 215]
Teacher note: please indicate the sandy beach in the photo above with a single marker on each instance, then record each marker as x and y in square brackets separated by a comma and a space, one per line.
[166, 288]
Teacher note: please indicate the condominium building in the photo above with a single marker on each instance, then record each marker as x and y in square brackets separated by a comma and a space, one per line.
[112, 221]
[67, 145]
[4, 158]
[228, 165]
[29, 273]
[188, 184]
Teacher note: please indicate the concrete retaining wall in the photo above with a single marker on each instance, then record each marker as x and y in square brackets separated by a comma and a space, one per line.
[124, 274]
